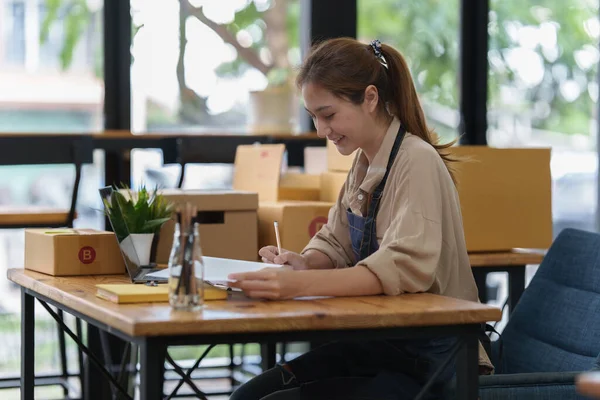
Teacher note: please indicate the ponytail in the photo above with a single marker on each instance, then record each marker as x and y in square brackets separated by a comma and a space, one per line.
[404, 103]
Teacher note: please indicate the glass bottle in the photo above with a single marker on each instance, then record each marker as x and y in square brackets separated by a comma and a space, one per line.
[186, 269]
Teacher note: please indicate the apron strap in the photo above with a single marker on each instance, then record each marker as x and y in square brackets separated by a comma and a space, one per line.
[369, 231]
[374, 202]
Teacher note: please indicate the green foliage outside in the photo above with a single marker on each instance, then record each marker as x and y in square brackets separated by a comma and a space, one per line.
[427, 33]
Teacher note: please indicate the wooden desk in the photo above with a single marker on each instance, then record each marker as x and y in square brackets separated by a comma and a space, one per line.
[588, 384]
[155, 326]
[512, 262]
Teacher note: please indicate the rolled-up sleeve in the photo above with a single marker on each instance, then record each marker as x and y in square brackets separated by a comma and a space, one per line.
[408, 256]
[333, 239]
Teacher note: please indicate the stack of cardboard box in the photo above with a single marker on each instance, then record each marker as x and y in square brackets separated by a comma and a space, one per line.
[505, 198]
[292, 199]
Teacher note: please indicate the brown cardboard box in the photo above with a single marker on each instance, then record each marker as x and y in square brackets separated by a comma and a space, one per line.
[228, 223]
[64, 252]
[336, 161]
[298, 222]
[331, 185]
[258, 169]
[295, 186]
[505, 196]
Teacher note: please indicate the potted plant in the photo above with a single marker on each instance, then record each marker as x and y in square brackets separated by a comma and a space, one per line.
[137, 219]
[274, 109]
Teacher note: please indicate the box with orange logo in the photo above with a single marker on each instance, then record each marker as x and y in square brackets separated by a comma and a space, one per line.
[298, 222]
[67, 252]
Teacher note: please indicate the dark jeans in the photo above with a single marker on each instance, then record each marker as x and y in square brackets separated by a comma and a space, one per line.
[374, 370]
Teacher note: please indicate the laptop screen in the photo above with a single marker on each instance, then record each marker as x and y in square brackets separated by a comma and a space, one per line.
[119, 226]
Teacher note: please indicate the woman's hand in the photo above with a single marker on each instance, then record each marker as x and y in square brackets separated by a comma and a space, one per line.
[272, 283]
[270, 254]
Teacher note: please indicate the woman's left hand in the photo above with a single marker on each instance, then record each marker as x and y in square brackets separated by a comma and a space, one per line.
[268, 283]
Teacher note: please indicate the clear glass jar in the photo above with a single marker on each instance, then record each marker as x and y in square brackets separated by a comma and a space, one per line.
[186, 270]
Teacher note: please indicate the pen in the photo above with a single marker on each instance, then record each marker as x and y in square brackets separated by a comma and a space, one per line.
[277, 236]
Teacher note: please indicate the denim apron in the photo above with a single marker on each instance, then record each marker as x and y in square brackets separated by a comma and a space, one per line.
[363, 230]
[394, 369]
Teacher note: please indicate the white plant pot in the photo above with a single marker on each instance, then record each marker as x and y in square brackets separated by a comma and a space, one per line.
[137, 247]
[273, 110]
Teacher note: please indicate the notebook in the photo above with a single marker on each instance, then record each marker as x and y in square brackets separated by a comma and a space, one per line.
[216, 269]
[130, 293]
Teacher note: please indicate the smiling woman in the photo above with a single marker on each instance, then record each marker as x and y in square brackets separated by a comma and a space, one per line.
[396, 228]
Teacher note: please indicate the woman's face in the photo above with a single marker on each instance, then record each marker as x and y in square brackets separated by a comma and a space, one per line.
[346, 124]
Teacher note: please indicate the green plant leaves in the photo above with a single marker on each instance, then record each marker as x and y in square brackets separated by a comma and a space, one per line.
[140, 212]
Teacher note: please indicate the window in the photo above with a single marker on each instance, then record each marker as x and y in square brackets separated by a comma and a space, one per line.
[50, 66]
[14, 32]
[426, 33]
[207, 65]
[543, 91]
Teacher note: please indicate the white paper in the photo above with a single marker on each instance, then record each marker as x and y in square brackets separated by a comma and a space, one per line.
[217, 269]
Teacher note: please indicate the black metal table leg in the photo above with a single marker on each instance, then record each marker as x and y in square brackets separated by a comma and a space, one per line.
[268, 355]
[480, 276]
[78, 326]
[27, 345]
[232, 365]
[152, 368]
[94, 388]
[62, 345]
[467, 366]
[516, 285]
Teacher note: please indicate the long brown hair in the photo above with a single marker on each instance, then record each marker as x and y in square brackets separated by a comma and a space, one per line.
[345, 67]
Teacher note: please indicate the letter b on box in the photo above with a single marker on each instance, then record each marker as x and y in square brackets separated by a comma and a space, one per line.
[87, 255]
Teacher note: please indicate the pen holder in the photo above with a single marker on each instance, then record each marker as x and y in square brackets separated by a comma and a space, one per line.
[186, 270]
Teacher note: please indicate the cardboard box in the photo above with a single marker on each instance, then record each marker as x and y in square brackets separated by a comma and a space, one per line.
[336, 161]
[258, 169]
[506, 197]
[228, 223]
[331, 185]
[298, 222]
[295, 186]
[67, 252]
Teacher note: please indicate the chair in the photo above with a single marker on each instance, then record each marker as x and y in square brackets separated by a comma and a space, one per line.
[65, 149]
[554, 332]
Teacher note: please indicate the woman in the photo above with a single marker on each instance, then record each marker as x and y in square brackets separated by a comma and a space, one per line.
[397, 224]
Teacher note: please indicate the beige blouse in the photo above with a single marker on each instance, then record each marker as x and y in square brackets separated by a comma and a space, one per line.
[419, 223]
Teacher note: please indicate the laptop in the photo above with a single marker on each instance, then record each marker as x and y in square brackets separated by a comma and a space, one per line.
[136, 271]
